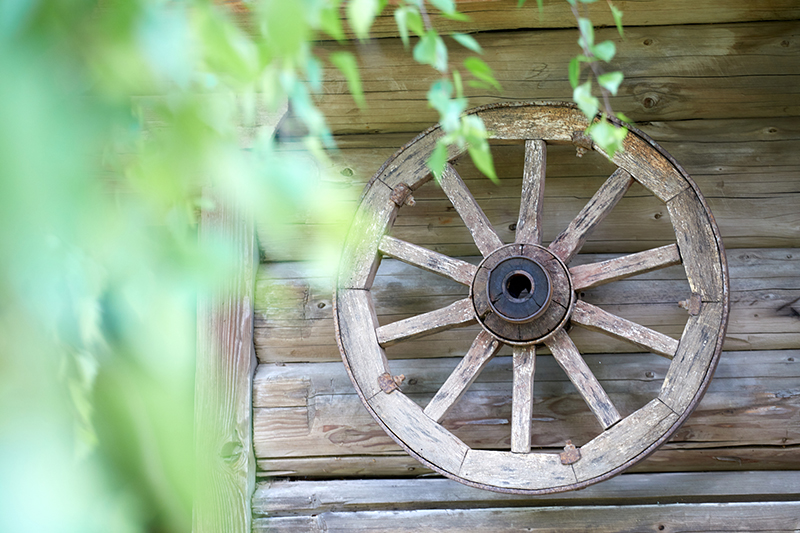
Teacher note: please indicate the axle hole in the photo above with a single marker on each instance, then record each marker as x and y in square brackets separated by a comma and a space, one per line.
[519, 286]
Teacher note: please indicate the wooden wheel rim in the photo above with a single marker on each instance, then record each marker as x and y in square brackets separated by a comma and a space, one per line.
[624, 441]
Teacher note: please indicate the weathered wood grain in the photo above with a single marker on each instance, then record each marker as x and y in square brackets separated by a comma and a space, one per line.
[529, 471]
[483, 348]
[592, 275]
[568, 357]
[592, 317]
[522, 398]
[225, 463]
[294, 320]
[569, 242]
[478, 225]
[777, 517]
[457, 314]
[455, 269]
[529, 224]
[311, 497]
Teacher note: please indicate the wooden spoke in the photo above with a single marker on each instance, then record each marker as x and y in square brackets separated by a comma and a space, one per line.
[460, 313]
[529, 225]
[594, 318]
[473, 216]
[522, 398]
[482, 350]
[570, 241]
[426, 259]
[567, 355]
[587, 276]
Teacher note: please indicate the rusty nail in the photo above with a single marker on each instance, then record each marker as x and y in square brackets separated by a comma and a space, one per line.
[692, 305]
[401, 195]
[389, 384]
[570, 455]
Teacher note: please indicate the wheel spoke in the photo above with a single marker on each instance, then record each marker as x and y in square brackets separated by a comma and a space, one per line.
[482, 350]
[529, 225]
[460, 313]
[594, 318]
[587, 276]
[473, 216]
[570, 241]
[568, 357]
[522, 398]
[426, 259]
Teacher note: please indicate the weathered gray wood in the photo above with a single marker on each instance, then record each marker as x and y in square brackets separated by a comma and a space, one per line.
[592, 317]
[280, 497]
[570, 241]
[455, 269]
[225, 463]
[594, 274]
[567, 355]
[460, 313]
[529, 224]
[529, 471]
[479, 226]
[522, 398]
[483, 348]
[629, 438]
[777, 517]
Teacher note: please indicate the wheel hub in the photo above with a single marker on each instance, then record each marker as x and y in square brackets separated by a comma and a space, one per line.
[522, 293]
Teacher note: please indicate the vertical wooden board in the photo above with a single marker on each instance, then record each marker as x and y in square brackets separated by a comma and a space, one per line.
[624, 441]
[508, 470]
[694, 358]
[552, 121]
[356, 324]
[411, 427]
[360, 257]
[698, 245]
[225, 463]
[649, 167]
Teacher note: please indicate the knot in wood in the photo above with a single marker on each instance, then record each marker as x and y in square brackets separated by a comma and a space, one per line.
[389, 384]
[570, 455]
[401, 195]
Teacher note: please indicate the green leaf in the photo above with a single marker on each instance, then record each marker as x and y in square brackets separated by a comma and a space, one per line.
[574, 71]
[587, 32]
[346, 62]
[586, 102]
[437, 160]
[611, 81]
[445, 6]
[623, 117]
[401, 19]
[458, 84]
[414, 20]
[607, 136]
[482, 157]
[431, 50]
[481, 70]
[457, 15]
[360, 14]
[587, 1]
[617, 14]
[331, 23]
[522, 2]
[467, 41]
[605, 50]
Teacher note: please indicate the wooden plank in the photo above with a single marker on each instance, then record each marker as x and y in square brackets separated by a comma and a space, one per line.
[591, 275]
[479, 226]
[592, 317]
[529, 224]
[225, 463]
[567, 355]
[778, 517]
[570, 241]
[698, 245]
[455, 269]
[530, 471]
[483, 348]
[522, 398]
[274, 498]
[457, 314]
[628, 439]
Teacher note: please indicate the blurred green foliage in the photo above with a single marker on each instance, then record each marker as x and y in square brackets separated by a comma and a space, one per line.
[116, 117]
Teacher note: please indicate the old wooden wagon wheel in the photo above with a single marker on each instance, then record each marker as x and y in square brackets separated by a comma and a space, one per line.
[523, 294]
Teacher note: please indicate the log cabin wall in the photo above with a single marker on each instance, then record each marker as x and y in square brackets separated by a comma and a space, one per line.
[717, 84]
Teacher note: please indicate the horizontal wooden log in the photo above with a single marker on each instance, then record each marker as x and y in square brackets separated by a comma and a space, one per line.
[312, 497]
[294, 323]
[777, 517]
[309, 413]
